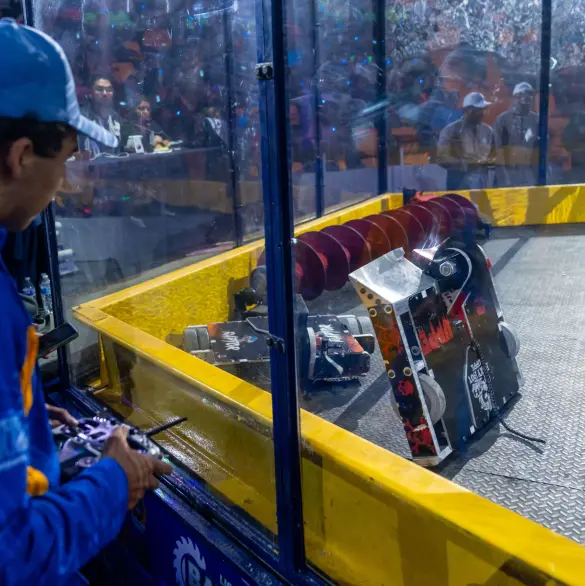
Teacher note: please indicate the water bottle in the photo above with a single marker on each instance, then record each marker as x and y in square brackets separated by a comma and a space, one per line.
[28, 288]
[46, 293]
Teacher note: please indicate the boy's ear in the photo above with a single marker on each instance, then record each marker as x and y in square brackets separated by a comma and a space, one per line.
[19, 157]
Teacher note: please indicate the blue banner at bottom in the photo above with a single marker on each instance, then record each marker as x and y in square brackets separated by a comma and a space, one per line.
[182, 556]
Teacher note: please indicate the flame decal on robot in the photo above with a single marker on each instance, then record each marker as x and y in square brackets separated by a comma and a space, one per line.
[419, 437]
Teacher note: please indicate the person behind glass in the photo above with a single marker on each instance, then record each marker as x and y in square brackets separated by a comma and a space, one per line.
[189, 117]
[100, 109]
[49, 530]
[516, 140]
[574, 143]
[302, 151]
[466, 147]
[141, 124]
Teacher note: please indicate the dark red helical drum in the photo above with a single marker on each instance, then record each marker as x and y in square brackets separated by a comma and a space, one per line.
[457, 213]
[462, 201]
[469, 209]
[397, 232]
[374, 235]
[442, 214]
[311, 277]
[424, 216]
[309, 271]
[386, 226]
[414, 230]
[333, 255]
[359, 250]
[429, 223]
[323, 260]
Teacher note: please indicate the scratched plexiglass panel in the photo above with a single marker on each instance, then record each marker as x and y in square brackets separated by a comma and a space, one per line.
[437, 54]
[146, 232]
[347, 82]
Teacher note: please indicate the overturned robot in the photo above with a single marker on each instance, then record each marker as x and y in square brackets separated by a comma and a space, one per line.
[448, 353]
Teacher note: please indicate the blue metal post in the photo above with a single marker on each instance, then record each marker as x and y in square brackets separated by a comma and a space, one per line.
[278, 221]
[379, 8]
[545, 63]
[57, 294]
[319, 163]
[27, 11]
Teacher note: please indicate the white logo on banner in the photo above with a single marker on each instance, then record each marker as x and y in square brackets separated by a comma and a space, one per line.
[189, 564]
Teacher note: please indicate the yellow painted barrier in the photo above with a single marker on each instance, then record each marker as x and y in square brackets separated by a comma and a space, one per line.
[371, 517]
[531, 206]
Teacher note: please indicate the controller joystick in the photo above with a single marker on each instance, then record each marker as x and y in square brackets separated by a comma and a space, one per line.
[81, 447]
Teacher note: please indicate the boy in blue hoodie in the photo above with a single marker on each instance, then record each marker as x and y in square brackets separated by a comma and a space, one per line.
[47, 532]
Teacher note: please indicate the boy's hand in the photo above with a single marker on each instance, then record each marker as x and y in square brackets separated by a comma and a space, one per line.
[140, 469]
[58, 416]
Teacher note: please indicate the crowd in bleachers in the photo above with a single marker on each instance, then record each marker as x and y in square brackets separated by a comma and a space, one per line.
[165, 67]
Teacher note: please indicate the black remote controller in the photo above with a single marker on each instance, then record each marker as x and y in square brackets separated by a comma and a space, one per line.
[81, 447]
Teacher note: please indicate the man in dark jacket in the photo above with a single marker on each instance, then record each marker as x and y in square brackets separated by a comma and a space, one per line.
[47, 531]
[516, 137]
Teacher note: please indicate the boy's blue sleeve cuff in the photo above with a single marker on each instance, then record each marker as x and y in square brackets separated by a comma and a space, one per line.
[107, 472]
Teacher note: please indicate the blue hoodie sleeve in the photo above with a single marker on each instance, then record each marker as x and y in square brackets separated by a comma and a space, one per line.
[44, 539]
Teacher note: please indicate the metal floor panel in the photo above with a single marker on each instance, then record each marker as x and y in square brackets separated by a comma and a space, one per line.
[540, 276]
[498, 248]
[557, 507]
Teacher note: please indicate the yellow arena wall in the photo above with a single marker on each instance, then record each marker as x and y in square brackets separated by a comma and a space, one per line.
[529, 206]
[371, 517]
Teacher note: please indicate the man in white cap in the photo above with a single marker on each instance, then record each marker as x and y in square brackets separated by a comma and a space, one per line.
[466, 147]
[516, 138]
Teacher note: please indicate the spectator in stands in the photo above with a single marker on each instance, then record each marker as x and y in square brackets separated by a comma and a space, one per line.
[100, 109]
[516, 140]
[466, 147]
[142, 124]
[189, 116]
[438, 112]
[574, 143]
[302, 150]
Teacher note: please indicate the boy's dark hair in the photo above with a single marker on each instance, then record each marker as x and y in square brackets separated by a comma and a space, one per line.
[47, 137]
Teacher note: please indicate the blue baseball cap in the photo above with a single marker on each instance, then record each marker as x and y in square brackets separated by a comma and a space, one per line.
[36, 81]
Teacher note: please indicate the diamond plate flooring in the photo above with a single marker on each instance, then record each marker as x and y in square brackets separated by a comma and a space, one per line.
[540, 276]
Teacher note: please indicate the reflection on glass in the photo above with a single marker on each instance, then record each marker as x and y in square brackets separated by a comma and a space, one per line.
[245, 106]
[408, 352]
[441, 53]
[302, 116]
[516, 140]
[156, 78]
[566, 156]
[566, 153]
[346, 79]
[174, 82]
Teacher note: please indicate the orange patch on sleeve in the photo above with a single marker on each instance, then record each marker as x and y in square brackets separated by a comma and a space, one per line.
[36, 482]
[28, 368]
